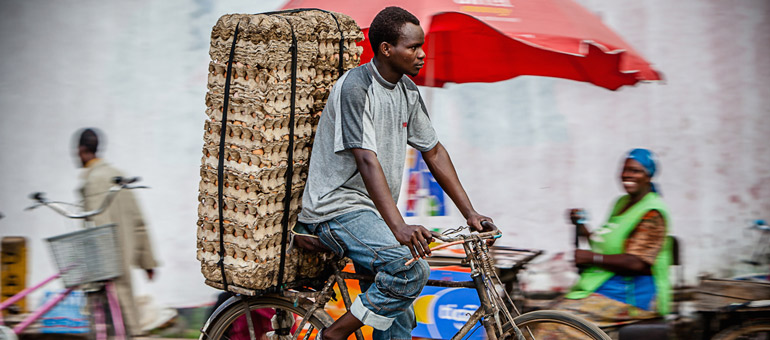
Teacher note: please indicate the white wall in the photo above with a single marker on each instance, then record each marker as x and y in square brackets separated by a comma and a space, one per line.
[529, 148]
[526, 149]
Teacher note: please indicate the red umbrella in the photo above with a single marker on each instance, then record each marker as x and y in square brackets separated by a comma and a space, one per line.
[493, 40]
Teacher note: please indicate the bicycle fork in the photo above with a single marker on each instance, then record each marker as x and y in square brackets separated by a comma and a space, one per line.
[100, 327]
[489, 308]
[486, 308]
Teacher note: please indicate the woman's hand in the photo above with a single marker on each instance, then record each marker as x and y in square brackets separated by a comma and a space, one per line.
[576, 216]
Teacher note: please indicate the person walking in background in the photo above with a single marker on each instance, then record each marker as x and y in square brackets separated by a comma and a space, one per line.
[133, 239]
[625, 274]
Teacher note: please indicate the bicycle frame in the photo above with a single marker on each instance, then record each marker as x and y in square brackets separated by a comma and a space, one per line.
[486, 307]
[315, 300]
[112, 300]
[37, 314]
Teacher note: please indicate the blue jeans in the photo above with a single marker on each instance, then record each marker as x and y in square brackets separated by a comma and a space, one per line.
[385, 305]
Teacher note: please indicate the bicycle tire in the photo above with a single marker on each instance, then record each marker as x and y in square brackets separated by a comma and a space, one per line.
[220, 326]
[527, 322]
[745, 329]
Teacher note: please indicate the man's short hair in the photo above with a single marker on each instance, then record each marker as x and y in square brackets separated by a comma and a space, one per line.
[386, 26]
[89, 139]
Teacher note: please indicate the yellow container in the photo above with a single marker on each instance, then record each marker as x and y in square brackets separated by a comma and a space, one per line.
[13, 273]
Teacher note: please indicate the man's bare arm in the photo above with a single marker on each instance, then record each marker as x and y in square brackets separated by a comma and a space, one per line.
[416, 237]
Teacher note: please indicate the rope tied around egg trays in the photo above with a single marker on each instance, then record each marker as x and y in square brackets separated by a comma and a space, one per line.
[290, 163]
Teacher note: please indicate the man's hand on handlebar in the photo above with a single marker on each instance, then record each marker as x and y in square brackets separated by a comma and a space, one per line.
[475, 220]
[123, 182]
[481, 224]
[416, 237]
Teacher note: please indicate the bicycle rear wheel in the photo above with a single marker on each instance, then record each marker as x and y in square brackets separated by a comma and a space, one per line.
[229, 324]
[551, 324]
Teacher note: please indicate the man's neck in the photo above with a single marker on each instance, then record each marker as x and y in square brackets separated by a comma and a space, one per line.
[386, 72]
[89, 163]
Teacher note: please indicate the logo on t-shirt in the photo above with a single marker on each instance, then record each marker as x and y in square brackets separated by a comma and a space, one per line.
[404, 124]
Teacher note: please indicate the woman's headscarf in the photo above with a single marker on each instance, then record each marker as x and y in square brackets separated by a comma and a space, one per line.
[647, 160]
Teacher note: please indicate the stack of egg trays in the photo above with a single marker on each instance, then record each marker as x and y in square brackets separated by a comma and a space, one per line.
[257, 139]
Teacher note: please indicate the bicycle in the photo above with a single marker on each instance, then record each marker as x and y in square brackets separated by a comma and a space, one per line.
[76, 270]
[738, 307]
[751, 319]
[300, 311]
[760, 256]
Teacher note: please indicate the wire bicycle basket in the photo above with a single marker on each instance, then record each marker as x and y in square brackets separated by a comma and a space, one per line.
[88, 255]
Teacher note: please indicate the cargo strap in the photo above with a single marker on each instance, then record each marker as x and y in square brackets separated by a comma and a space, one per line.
[290, 164]
[221, 164]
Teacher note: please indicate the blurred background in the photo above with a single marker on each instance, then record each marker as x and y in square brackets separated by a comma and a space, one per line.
[526, 149]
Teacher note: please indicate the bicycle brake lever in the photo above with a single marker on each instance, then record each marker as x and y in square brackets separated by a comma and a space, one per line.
[31, 207]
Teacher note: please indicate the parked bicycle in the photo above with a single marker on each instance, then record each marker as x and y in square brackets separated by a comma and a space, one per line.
[300, 312]
[738, 307]
[760, 256]
[84, 258]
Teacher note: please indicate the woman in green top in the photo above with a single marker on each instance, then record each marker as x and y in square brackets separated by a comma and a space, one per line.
[625, 274]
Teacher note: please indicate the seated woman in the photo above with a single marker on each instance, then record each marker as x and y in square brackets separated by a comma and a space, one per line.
[625, 274]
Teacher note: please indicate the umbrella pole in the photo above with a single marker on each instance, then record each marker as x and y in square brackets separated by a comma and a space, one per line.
[430, 82]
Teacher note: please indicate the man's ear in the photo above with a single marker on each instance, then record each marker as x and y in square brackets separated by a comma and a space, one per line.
[385, 49]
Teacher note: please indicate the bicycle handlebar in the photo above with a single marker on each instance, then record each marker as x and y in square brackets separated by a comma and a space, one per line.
[125, 180]
[494, 233]
[462, 238]
[760, 225]
[120, 184]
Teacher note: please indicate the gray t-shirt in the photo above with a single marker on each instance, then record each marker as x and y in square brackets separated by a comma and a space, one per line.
[363, 111]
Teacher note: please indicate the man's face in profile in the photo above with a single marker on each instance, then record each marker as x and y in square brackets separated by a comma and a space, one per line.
[407, 55]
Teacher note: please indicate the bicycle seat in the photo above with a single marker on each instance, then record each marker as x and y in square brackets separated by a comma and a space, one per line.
[302, 237]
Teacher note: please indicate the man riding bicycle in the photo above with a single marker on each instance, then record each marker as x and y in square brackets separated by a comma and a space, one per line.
[374, 111]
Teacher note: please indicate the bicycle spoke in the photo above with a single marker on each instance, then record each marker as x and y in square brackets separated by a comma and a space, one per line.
[307, 333]
[529, 331]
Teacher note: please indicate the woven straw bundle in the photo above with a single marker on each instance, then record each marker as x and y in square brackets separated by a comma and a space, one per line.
[257, 139]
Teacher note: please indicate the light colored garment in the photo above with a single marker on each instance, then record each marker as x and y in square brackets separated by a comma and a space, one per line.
[133, 239]
[596, 308]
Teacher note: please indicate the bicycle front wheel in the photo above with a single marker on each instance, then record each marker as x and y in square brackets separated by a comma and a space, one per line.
[551, 324]
[232, 324]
